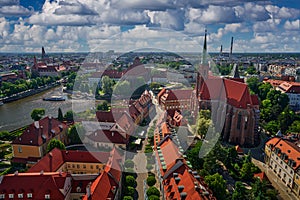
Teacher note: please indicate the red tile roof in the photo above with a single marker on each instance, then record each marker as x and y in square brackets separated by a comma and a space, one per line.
[289, 87]
[235, 93]
[107, 184]
[291, 150]
[178, 178]
[106, 136]
[52, 161]
[46, 128]
[37, 184]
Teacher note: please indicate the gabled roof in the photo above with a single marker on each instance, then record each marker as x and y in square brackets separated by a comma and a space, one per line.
[44, 129]
[105, 136]
[52, 161]
[38, 184]
[233, 92]
[107, 184]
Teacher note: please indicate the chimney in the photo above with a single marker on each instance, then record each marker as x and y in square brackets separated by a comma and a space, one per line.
[50, 125]
[231, 46]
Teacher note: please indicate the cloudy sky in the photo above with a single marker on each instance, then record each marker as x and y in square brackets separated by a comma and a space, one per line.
[124, 25]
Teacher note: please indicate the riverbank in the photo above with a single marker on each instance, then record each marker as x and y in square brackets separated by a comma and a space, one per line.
[30, 92]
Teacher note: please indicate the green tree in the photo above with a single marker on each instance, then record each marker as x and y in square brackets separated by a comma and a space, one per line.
[54, 143]
[60, 116]
[217, 184]
[253, 84]
[272, 127]
[69, 116]
[152, 191]
[129, 191]
[240, 192]
[286, 118]
[247, 171]
[153, 197]
[103, 106]
[127, 198]
[193, 156]
[258, 190]
[251, 70]
[37, 114]
[151, 180]
[74, 133]
[263, 90]
[203, 123]
[107, 85]
[295, 127]
[130, 181]
[123, 88]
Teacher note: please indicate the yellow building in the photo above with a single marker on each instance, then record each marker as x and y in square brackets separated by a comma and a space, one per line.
[32, 144]
[74, 162]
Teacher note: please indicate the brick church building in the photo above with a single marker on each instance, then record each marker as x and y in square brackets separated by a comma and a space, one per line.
[234, 111]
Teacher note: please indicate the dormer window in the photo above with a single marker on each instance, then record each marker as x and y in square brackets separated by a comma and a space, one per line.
[2, 196]
[20, 196]
[29, 195]
[11, 196]
[47, 196]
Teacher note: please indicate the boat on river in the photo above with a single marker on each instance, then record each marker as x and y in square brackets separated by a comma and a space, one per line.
[54, 98]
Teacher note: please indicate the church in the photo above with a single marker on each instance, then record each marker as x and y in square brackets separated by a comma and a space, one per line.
[234, 111]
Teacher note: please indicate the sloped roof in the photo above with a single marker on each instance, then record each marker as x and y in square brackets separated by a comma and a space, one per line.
[36, 183]
[43, 128]
[105, 136]
[52, 161]
[233, 92]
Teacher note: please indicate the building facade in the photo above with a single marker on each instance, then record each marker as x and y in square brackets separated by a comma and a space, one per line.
[283, 158]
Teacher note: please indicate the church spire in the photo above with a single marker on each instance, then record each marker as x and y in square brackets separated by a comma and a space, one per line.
[204, 53]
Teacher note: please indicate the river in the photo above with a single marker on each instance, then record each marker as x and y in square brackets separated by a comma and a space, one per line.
[16, 114]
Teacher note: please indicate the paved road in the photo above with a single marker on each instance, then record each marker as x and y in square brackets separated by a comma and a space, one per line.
[284, 191]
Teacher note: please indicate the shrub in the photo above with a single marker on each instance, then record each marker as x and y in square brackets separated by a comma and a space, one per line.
[130, 191]
[149, 166]
[151, 180]
[127, 198]
[129, 164]
[153, 191]
[130, 181]
[153, 197]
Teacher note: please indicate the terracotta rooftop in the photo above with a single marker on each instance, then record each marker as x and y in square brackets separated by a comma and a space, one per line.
[52, 161]
[55, 184]
[289, 149]
[40, 132]
[106, 136]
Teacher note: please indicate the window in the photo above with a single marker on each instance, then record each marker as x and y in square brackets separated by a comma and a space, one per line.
[47, 196]
[2, 196]
[20, 196]
[92, 167]
[11, 196]
[84, 166]
[29, 195]
[97, 166]
[238, 126]
[78, 166]
[73, 166]
[20, 149]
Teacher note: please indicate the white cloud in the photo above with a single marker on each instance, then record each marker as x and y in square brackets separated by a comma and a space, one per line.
[266, 26]
[283, 12]
[172, 19]
[14, 10]
[252, 12]
[292, 25]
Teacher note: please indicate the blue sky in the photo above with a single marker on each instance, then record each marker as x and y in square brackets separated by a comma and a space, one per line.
[125, 25]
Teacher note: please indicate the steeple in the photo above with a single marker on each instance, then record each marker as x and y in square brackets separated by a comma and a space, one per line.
[43, 53]
[231, 46]
[204, 53]
[221, 50]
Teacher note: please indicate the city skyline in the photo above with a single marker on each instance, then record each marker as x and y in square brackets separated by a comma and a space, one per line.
[123, 25]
